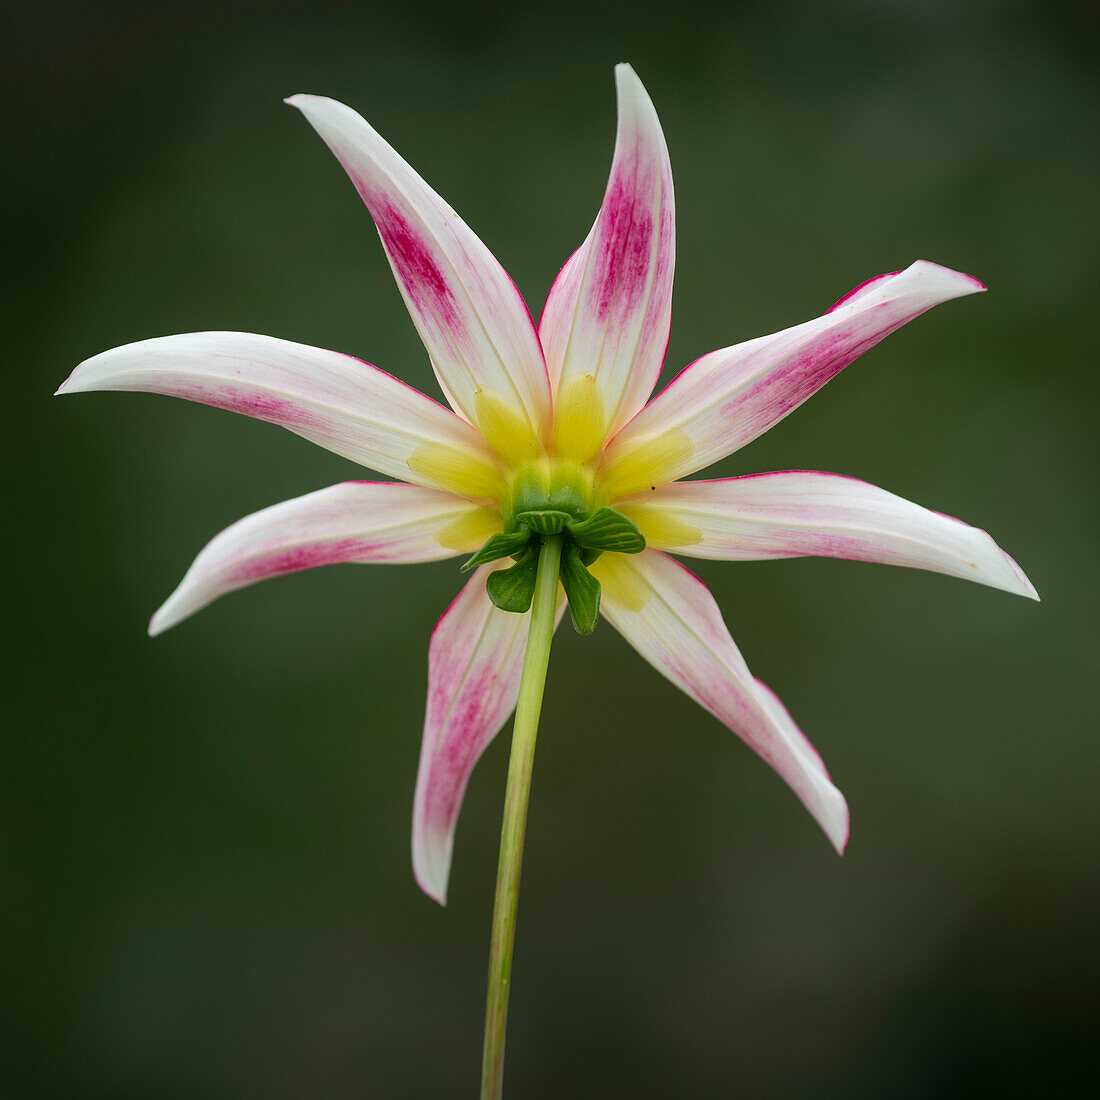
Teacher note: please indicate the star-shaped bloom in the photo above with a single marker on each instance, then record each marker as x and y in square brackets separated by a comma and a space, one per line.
[549, 430]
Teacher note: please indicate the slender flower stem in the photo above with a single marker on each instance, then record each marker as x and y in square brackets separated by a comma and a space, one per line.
[535, 661]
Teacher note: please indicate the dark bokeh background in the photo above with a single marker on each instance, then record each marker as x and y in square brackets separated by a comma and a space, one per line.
[206, 884]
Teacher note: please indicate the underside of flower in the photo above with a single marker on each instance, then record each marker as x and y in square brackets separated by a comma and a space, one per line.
[553, 449]
[551, 492]
[583, 539]
[555, 468]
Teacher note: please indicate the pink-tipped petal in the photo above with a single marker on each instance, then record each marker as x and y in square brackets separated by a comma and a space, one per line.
[799, 512]
[609, 310]
[475, 660]
[669, 616]
[339, 402]
[357, 521]
[727, 398]
[473, 321]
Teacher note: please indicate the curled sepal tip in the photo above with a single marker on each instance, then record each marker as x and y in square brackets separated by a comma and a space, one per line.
[544, 521]
[513, 589]
[582, 590]
[501, 545]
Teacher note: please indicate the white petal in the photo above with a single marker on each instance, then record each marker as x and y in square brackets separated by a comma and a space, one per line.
[473, 321]
[357, 521]
[334, 400]
[799, 512]
[729, 397]
[671, 619]
[608, 312]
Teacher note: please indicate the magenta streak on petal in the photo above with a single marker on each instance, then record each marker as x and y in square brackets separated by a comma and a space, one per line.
[625, 255]
[424, 282]
[455, 760]
[296, 558]
[474, 661]
[255, 403]
[818, 544]
[783, 390]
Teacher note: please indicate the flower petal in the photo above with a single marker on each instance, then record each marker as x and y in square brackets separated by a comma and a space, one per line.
[334, 400]
[609, 310]
[799, 512]
[727, 398]
[473, 321]
[475, 661]
[357, 521]
[671, 619]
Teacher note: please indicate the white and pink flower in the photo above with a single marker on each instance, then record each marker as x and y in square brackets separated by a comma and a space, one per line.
[550, 413]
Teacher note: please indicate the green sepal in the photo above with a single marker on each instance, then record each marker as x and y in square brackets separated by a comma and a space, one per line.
[499, 546]
[581, 589]
[608, 529]
[545, 521]
[512, 589]
[590, 557]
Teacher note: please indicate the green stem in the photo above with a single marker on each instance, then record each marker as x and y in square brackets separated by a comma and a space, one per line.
[513, 830]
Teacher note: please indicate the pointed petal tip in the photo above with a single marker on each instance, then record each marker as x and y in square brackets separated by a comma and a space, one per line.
[310, 104]
[436, 891]
[1023, 586]
[300, 100]
[943, 283]
[72, 384]
[960, 283]
[171, 613]
[628, 83]
[839, 838]
[629, 87]
[87, 376]
[431, 862]
[834, 818]
[159, 623]
[1000, 570]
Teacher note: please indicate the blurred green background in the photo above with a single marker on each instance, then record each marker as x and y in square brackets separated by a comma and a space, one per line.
[207, 888]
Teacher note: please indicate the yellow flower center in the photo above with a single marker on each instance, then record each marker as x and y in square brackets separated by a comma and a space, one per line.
[544, 478]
